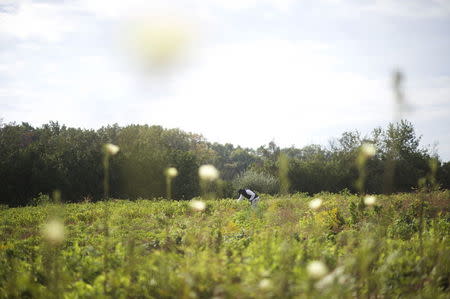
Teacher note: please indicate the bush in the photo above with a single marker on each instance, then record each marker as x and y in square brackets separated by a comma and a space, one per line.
[41, 199]
[227, 190]
[258, 181]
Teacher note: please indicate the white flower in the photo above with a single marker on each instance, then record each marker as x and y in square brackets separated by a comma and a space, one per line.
[265, 284]
[370, 200]
[325, 282]
[53, 232]
[336, 276]
[208, 173]
[111, 149]
[197, 205]
[159, 42]
[316, 269]
[315, 203]
[368, 149]
[171, 172]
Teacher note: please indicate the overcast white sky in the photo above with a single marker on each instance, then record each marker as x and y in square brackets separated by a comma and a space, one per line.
[293, 71]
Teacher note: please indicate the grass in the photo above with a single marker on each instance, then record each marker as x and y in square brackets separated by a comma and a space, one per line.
[166, 249]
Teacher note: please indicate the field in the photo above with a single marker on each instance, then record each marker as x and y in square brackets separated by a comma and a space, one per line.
[286, 247]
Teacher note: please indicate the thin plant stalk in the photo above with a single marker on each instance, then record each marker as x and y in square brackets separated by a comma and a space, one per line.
[169, 187]
[283, 172]
[108, 150]
[106, 175]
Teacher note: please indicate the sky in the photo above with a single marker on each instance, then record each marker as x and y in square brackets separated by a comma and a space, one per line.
[236, 71]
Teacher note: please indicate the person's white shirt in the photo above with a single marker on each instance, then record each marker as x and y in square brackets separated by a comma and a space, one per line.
[249, 192]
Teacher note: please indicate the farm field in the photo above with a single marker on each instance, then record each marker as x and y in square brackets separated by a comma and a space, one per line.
[296, 246]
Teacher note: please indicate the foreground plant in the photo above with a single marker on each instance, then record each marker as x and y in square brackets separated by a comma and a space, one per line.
[220, 248]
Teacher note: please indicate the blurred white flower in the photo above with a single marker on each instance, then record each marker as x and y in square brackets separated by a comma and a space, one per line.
[171, 172]
[325, 282]
[336, 276]
[208, 172]
[159, 42]
[368, 149]
[53, 231]
[316, 269]
[197, 205]
[265, 284]
[111, 149]
[370, 200]
[315, 203]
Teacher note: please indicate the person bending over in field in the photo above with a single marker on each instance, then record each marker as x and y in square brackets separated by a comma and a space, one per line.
[250, 195]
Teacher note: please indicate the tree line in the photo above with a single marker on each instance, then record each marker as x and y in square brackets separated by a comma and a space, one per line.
[39, 160]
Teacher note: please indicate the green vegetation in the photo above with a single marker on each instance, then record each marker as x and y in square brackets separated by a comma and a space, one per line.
[54, 157]
[332, 245]
[264, 183]
[343, 246]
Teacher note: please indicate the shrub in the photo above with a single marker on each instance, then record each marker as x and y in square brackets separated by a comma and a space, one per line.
[258, 181]
[41, 199]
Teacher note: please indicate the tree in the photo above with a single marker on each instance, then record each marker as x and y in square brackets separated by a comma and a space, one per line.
[405, 162]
